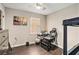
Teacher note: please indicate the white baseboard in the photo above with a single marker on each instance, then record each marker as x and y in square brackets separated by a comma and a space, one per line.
[22, 44]
[17, 45]
[60, 46]
[32, 43]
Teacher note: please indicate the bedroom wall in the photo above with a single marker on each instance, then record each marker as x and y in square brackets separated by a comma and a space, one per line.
[56, 20]
[2, 8]
[19, 35]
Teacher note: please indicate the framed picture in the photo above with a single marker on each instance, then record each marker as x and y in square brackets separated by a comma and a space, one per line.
[20, 20]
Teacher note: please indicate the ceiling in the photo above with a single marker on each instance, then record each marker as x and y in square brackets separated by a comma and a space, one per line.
[50, 7]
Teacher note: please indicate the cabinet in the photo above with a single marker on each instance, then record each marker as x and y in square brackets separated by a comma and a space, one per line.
[4, 39]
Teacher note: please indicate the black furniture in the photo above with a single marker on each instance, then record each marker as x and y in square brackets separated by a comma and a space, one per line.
[46, 43]
[68, 22]
[41, 36]
[46, 40]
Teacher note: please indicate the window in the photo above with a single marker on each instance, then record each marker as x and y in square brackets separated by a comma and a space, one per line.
[34, 25]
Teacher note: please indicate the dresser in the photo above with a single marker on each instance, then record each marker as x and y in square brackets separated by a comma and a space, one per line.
[4, 39]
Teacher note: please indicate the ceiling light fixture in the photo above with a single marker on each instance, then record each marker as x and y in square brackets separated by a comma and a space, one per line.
[40, 6]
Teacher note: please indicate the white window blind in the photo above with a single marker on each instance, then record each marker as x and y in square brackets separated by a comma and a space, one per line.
[34, 25]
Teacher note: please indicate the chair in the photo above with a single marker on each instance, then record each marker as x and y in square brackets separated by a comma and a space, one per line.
[46, 40]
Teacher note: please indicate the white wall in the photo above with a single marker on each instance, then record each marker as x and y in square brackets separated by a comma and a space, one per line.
[56, 20]
[2, 8]
[21, 33]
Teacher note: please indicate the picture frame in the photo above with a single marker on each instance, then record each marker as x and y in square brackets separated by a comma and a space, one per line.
[20, 20]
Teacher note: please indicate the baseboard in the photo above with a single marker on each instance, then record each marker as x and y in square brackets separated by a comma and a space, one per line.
[22, 44]
[17, 45]
[60, 46]
[32, 43]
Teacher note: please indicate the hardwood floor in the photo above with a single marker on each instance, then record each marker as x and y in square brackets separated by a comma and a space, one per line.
[34, 50]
